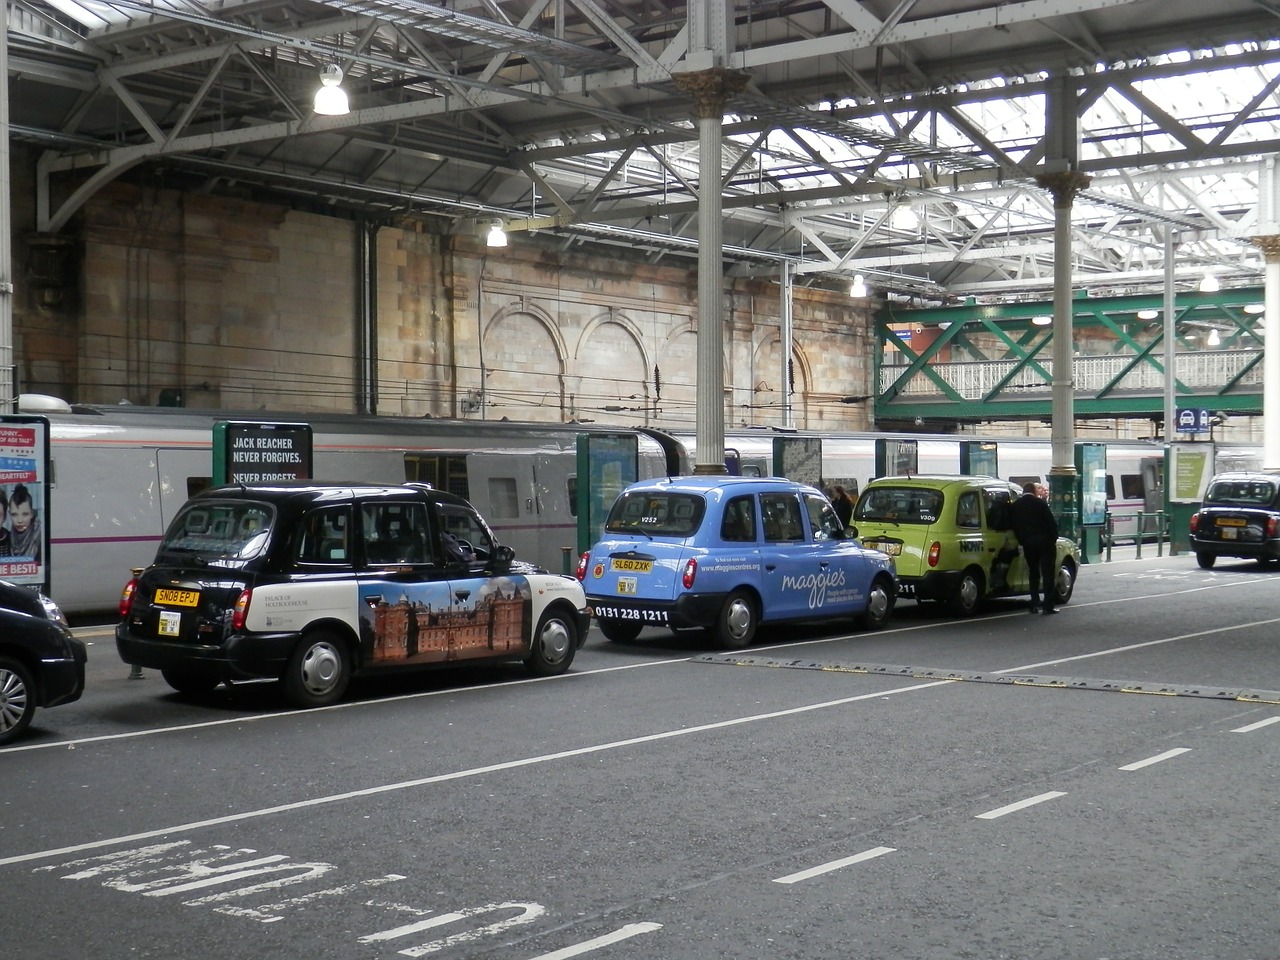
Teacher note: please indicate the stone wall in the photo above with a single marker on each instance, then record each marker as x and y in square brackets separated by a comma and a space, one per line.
[237, 304]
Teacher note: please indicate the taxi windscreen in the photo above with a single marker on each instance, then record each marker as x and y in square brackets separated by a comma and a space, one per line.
[657, 514]
[899, 505]
[230, 530]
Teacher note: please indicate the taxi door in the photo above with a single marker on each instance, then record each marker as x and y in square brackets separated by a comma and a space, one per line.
[406, 597]
[794, 567]
[1007, 569]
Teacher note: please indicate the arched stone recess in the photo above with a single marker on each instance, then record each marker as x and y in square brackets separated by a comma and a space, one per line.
[523, 354]
[612, 371]
[766, 406]
[677, 360]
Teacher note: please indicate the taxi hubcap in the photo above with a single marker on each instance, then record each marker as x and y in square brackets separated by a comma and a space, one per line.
[878, 602]
[320, 668]
[555, 640]
[13, 699]
[739, 619]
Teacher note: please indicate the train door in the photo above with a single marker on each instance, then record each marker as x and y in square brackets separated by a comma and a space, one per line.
[527, 501]
[180, 474]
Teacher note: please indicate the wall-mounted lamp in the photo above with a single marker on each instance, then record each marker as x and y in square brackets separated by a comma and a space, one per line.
[1148, 314]
[1042, 321]
[859, 286]
[1253, 309]
[497, 236]
[1209, 284]
[331, 99]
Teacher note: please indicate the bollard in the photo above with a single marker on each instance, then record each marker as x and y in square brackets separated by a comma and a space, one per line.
[135, 672]
[1137, 537]
[566, 553]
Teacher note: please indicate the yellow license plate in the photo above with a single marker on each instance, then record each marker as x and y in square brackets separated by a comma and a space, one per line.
[178, 598]
[1232, 522]
[632, 566]
[892, 549]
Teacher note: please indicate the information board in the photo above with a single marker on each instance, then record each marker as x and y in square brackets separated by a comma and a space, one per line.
[1091, 465]
[1190, 470]
[979, 458]
[24, 500]
[607, 462]
[247, 452]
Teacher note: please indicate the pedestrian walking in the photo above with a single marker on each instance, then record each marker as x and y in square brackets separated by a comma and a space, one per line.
[1037, 532]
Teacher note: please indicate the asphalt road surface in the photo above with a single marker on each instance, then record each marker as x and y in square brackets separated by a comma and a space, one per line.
[1099, 784]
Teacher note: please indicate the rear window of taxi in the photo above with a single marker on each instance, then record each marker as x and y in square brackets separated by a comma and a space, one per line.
[657, 514]
[899, 505]
[1240, 493]
[220, 530]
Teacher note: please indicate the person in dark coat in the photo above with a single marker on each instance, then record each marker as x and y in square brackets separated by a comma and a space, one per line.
[1037, 532]
[843, 504]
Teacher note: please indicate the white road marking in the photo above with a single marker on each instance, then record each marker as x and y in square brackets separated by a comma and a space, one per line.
[1139, 764]
[835, 865]
[1249, 728]
[472, 772]
[1020, 805]
[622, 933]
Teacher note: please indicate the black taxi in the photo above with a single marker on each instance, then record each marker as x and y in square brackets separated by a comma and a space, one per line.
[1239, 517]
[310, 583]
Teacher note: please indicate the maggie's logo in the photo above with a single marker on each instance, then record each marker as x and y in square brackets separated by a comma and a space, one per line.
[816, 584]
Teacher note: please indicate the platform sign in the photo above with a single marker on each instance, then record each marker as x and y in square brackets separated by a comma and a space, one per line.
[25, 483]
[798, 459]
[607, 462]
[249, 452]
[980, 458]
[896, 458]
[1193, 421]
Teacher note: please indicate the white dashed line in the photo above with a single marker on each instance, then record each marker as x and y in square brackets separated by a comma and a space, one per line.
[1021, 805]
[835, 865]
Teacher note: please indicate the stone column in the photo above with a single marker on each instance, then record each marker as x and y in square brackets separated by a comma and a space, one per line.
[1270, 247]
[710, 90]
[1064, 484]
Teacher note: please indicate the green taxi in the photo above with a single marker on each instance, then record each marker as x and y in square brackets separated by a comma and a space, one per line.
[950, 540]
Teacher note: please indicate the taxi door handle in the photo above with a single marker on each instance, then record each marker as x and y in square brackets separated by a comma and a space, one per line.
[824, 564]
[461, 595]
[770, 567]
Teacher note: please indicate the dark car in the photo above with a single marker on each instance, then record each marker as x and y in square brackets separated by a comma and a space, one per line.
[41, 663]
[1240, 517]
[310, 583]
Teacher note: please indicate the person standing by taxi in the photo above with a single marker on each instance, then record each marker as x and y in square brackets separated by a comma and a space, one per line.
[1037, 532]
[843, 505]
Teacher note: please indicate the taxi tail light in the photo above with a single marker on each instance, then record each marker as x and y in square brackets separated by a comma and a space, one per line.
[240, 612]
[1195, 522]
[1273, 525]
[126, 597]
[690, 573]
[935, 551]
[581, 572]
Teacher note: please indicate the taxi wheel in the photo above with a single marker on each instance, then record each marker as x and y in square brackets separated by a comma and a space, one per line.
[619, 631]
[17, 699]
[1065, 584]
[879, 605]
[1206, 560]
[968, 593]
[554, 644]
[187, 681]
[736, 626]
[318, 671]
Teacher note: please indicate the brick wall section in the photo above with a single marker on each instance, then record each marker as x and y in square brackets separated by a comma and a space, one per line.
[250, 305]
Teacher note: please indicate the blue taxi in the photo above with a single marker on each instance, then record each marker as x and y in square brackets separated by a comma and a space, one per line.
[726, 554]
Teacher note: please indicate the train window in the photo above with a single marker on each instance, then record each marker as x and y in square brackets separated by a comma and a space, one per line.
[571, 486]
[1111, 487]
[1131, 486]
[503, 501]
[443, 472]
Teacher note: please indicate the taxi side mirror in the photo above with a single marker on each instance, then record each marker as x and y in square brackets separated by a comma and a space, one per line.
[851, 532]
